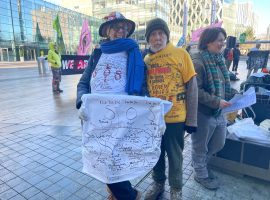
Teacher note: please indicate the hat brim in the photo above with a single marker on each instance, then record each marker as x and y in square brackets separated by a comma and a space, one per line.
[103, 27]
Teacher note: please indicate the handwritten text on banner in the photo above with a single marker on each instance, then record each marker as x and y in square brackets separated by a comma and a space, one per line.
[122, 136]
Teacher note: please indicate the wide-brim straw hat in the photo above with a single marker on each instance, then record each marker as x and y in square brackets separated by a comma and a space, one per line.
[112, 18]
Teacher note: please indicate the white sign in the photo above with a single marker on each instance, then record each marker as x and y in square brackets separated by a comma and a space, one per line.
[240, 101]
[122, 136]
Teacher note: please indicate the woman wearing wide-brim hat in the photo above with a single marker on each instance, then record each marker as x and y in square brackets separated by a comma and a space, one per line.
[115, 18]
[115, 68]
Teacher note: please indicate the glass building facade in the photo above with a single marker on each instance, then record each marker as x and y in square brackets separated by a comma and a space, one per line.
[140, 11]
[172, 11]
[26, 28]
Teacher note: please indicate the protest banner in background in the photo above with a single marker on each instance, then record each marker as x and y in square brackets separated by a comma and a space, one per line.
[257, 59]
[197, 33]
[122, 136]
[73, 64]
[85, 39]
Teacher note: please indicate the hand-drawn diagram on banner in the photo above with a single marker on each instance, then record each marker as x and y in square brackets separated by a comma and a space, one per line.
[121, 139]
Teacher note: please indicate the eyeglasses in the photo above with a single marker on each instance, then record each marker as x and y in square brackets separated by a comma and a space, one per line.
[117, 27]
[220, 41]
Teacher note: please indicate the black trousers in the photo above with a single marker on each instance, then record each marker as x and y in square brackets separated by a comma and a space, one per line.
[235, 65]
[123, 190]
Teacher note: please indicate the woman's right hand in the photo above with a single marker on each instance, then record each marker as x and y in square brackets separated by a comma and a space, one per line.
[82, 114]
[223, 103]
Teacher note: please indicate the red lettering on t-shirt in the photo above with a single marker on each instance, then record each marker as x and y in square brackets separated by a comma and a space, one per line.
[159, 70]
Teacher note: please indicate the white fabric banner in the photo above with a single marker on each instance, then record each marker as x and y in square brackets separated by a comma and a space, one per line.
[122, 136]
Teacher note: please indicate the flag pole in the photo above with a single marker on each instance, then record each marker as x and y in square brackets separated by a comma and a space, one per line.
[213, 12]
[185, 19]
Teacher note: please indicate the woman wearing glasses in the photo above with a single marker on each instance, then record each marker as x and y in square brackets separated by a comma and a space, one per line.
[115, 68]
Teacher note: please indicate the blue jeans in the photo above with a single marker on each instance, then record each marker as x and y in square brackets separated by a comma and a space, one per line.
[208, 140]
[123, 190]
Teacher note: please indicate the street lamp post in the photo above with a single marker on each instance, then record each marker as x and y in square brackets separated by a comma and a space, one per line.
[185, 19]
[13, 45]
[213, 11]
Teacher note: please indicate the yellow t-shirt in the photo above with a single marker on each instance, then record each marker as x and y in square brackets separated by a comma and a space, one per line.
[168, 71]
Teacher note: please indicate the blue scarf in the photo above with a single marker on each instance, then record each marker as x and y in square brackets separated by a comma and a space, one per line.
[135, 64]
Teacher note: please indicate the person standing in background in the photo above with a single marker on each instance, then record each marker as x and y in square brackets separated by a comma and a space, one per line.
[236, 58]
[54, 58]
[228, 55]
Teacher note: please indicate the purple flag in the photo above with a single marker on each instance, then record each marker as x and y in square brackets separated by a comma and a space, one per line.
[197, 33]
[85, 39]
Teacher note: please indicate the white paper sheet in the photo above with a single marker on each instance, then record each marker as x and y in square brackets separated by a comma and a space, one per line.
[121, 139]
[240, 101]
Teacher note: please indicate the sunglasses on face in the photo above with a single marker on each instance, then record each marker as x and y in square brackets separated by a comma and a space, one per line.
[117, 27]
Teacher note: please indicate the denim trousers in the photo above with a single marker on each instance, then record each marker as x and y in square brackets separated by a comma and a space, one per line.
[208, 140]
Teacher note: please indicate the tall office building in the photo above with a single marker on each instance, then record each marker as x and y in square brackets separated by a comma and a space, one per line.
[199, 15]
[81, 6]
[172, 11]
[229, 16]
[140, 11]
[26, 28]
[268, 37]
[18, 24]
[246, 17]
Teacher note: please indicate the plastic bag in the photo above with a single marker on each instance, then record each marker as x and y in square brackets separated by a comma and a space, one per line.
[245, 129]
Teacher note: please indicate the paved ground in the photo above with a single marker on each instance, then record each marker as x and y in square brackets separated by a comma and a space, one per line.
[40, 141]
[18, 64]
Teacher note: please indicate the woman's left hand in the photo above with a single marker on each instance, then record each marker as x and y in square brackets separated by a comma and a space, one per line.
[224, 104]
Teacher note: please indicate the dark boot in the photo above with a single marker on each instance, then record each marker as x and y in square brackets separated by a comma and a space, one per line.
[155, 191]
[58, 87]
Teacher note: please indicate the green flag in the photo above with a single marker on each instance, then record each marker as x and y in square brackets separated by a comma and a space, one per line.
[59, 40]
[242, 37]
[39, 37]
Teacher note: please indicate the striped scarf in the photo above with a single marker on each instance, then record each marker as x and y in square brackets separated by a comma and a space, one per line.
[212, 63]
